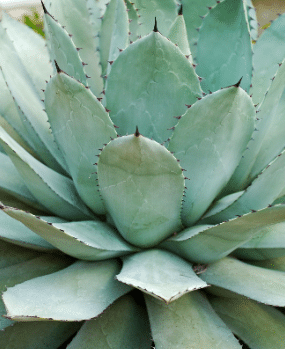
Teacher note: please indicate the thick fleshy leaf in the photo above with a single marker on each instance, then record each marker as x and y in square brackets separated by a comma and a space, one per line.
[188, 323]
[268, 139]
[275, 264]
[259, 253]
[259, 326]
[31, 49]
[11, 182]
[200, 141]
[204, 244]
[161, 274]
[54, 191]
[142, 187]
[15, 232]
[80, 292]
[269, 51]
[224, 53]
[252, 20]
[74, 15]
[37, 335]
[159, 82]
[87, 240]
[194, 12]
[178, 35]
[28, 100]
[263, 285]
[262, 192]
[62, 49]
[133, 21]
[165, 12]
[124, 325]
[114, 33]
[4, 322]
[71, 107]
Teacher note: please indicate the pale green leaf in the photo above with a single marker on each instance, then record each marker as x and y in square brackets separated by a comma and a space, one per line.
[259, 253]
[259, 326]
[205, 244]
[142, 187]
[79, 292]
[54, 191]
[87, 240]
[200, 141]
[153, 89]
[124, 325]
[260, 284]
[159, 273]
[224, 53]
[71, 108]
[188, 323]
[133, 21]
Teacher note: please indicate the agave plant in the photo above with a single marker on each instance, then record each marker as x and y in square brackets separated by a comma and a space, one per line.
[142, 186]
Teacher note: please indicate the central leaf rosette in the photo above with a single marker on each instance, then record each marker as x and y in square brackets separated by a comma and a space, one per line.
[142, 187]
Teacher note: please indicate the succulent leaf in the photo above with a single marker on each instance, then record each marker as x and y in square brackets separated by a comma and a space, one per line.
[142, 187]
[80, 126]
[53, 190]
[259, 254]
[114, 33]
[133, 21]
[124, 325]
[63, 50]
[205, 244]
[86, 240]
[167, 82]
[252, 20]
[82, 291]
[246, 319]
[159, 273]
[188, 323]
[224, 53]
[201, 142]
[260, 284]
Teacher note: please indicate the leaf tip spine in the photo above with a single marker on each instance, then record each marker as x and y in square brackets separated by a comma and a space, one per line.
[137, 134]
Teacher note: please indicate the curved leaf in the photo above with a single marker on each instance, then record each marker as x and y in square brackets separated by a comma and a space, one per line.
[124, 325]
[142, 187]
[71, 107]
[188, 323]
[224, 52]
[79, 292]
[204, 244]
[87, 240]
[160, 274]
[263, 285]
[200, 141]
[159, 82]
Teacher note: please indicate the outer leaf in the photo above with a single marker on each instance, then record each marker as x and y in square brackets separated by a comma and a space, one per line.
[188, 323]
[224, 52]
[160, 274]
[262, 192]
[15, 232]
[37, 335]
[80, 292]
[28, 100]
[62, 49]
[75, 16]
[259, 326]
[167, 82]
[11, 182]
[122, 326]
[165, 12]
[200, 140]
[31, 49]
[259, 284]
[54, 191]
[178, 35]
[114, 33]
[269, 51]
[142, 188]
[193, 12]
[71, 107]
[87, 240]
[204, 244]
[268, 139]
